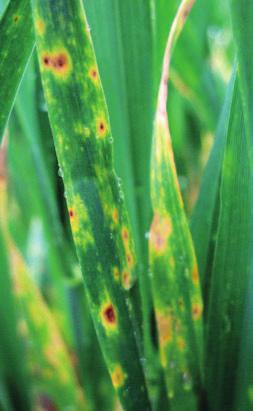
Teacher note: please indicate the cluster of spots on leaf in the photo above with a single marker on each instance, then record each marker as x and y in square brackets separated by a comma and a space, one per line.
[118, 377]
[160, 231]
[59, 63]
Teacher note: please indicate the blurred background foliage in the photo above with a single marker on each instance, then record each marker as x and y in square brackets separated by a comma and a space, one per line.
[50, 308]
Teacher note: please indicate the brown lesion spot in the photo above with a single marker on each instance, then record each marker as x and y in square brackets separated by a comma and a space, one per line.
[118, 377]
[71, 213]
[195, 275]
[165, 327]
[196, 311]
[115, 215]
[59, 63]
[125, 234]
[116, 273]
[16, 18]
[130, 259]
[40, 26]
[109, 315]
[160, 231]
[101, 126]
[126, 279]
[93, 74]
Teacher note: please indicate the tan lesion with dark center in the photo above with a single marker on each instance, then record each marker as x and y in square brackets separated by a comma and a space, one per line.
[101, 128]
[93, 74]
[108, 316]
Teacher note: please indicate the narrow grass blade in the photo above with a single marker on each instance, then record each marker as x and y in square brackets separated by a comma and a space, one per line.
[81, 129]
[16, 40]
[174, 271]
[204, 218]
[232, 263]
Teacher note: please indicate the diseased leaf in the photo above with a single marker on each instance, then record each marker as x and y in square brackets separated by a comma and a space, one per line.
[175, 281]
[80, 124]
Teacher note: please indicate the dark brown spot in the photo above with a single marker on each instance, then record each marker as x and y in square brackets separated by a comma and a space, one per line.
[15, 19]
[60, 61]
[71, 213]
[109, 314]
[94, 73]
[46, 60]
[126, 279]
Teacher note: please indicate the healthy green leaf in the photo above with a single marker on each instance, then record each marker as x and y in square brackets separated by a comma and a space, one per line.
[232, 263]
[204, 218]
